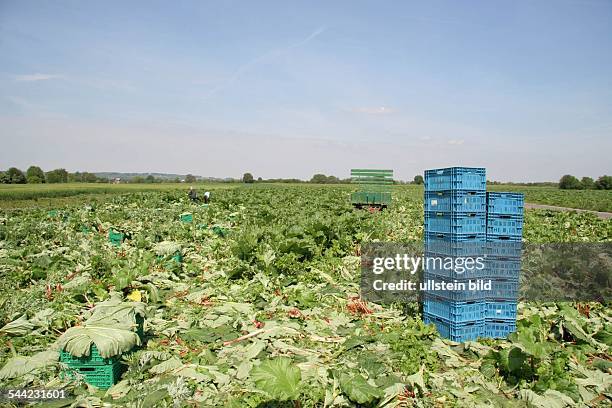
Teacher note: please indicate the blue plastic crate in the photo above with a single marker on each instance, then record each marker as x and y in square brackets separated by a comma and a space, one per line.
[502, 268]
[500, 310]
[456, 178]
[456, 223]
[503, 239]
[455, 244]
[462, 295]
[459, 332]
[505, 203]
[504, 248]
[505, 225]
[456, 201]
[499, 329]
[503, 289]
[453, 267]
[456, 312]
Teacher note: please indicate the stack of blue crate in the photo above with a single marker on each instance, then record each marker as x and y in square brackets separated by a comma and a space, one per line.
[504, 236]
[455, 226]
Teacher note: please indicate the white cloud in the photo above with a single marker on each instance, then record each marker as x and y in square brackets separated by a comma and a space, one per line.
[36, 77]
[455, 142]
[374, 110]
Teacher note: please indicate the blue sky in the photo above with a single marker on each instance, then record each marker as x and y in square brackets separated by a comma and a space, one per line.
[287, 89]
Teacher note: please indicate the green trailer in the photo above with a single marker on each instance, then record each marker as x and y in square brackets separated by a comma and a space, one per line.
[374, 188]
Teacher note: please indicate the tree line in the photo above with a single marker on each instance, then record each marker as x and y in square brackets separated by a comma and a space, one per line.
[569, 182]
[318, 178]
[35, 175]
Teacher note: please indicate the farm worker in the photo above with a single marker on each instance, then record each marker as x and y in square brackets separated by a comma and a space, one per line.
[192, 194]
[206, 197]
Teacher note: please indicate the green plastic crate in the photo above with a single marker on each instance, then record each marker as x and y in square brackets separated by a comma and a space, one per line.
[374, 187]
[187, 217]
[94, 358]
[220, 231]
[176, 259]
[115, 237]
[371, 198]
[100, 376]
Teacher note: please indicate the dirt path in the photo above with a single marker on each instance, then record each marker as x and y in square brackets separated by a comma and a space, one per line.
[600, 214]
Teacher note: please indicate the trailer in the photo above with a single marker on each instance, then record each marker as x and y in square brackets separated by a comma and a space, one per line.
[374, 188]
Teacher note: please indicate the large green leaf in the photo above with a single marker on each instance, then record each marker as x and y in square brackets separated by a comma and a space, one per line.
[550, 399]
[110, 341]
[166, 248]
[18, 366]
[516, 359]
[278, 377]
[358, 390]
[116, 312]
[19, 327]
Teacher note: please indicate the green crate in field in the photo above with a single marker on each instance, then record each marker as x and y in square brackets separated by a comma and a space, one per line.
[220, 231]
[115, 237]
[371, 198]
[176, 258]
[374, 187]
[100, 376]
[186, 217]
[94, 358]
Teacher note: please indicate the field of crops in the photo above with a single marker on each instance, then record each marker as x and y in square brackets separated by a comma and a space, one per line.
[264, 310]
[45, 195]
[596, 200]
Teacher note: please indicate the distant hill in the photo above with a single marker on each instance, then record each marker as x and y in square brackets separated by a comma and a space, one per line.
[159, 176]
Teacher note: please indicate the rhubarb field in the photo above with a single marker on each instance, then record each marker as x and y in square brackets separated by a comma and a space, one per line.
[262, 307]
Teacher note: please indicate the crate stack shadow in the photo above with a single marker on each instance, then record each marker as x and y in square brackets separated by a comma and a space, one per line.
[463, 221]
[455, 228]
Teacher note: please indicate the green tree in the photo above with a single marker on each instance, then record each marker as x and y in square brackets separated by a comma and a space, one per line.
[587, 183]
[190, 178]
[89, 177]
[333, 180]
[418, 179]
[150, 179]
[16, 176]
[4, 178]
[35, 175]
[604, 183]
[57, 176]
[319, 179]
[259, 179]
[247, 178]
[137, 179]
[569, 182]
[75, 177]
